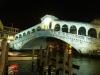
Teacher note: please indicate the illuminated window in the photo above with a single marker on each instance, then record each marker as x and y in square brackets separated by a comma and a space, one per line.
[92, 33]
[73, 29]
[65, 28]
[57, 27]
[82, 31]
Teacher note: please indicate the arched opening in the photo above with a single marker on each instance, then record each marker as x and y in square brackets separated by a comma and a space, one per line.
[50, 25]
[20, 36]
[33, 30]
[73, 29]
[57, 27]
[24, 34]
[82, 31]
[16, 37]
[65, 28]
[28, 32]
[38, 28]
[92, 33]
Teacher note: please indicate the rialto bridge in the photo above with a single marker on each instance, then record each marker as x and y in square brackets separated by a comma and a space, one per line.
[84, 37]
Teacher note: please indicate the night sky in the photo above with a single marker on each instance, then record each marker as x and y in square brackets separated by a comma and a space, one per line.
[26, 13]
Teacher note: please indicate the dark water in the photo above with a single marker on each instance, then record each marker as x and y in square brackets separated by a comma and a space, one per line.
[88, 66]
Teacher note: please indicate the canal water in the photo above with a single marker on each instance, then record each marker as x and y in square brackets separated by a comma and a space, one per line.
[88, 66]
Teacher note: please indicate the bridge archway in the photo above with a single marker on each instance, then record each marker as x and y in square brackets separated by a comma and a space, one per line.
[92, 32]
[57, 27]
[50, 25]
[65, 28]
[73, 29]
[38, 28]
[82, 31]
[44, 41]
[55, 58]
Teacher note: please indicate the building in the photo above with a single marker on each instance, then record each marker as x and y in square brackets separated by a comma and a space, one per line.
[7, 32]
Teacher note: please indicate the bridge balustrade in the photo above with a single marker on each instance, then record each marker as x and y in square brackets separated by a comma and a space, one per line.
[72, 36]
[60, 35]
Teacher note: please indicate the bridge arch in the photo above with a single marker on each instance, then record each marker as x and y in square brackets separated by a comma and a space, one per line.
[57, 27]
[19, 45]
[65, 28]
[73, 29]
[50, 25]
[28, 32]
[38, 28]
[24, 34]
[92, 32]
[46, 36]
[82, 31]
[33, 30]
[20, 35]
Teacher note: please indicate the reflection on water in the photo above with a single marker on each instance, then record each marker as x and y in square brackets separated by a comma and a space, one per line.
[25, 66]
[87, 66]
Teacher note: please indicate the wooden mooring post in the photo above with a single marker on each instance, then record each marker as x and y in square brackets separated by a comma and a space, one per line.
[70, 72]
[4, 57]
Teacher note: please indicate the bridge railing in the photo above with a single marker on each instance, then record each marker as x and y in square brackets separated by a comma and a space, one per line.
[81, 37]
[64, 34]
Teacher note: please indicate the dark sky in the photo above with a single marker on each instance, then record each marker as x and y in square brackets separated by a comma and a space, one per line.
[26, 13]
